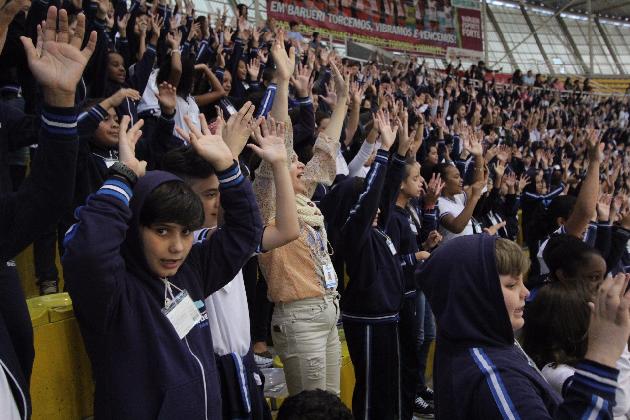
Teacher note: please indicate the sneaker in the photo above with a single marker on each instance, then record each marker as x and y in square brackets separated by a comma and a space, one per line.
[423, 408]
[427, 394]
[262, 361]
[48, 287]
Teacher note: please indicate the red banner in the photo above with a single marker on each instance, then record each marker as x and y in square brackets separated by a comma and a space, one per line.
[426, 27]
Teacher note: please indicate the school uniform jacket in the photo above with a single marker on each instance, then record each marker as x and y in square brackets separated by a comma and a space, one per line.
[375, 290]
[141, 367]
[405, 234]
[39, 203]
[477, 359]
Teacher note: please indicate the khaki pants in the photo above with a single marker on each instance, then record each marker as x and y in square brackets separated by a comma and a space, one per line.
[306, 339]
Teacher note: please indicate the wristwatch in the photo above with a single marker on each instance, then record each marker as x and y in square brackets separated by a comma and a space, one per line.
[122, 170]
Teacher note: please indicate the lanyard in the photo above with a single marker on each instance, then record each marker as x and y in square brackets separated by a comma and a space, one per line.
[319, 249]
[169, 292]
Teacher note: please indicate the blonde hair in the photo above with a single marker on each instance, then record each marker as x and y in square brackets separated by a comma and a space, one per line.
[510, 259]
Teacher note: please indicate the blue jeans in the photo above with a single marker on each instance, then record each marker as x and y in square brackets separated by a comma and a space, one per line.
[426, 334]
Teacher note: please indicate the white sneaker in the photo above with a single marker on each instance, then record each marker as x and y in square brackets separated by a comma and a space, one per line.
[262, 361]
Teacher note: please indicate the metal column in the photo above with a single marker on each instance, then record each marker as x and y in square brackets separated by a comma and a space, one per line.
[574, 48]
[484, 8]
[538, 43]
[590, 37]
[611, 49]
[497, 28]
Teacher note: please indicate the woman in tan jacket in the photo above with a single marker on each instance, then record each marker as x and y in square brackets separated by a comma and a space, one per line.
[300, 277]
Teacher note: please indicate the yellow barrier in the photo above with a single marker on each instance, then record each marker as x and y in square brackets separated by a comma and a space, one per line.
[61, 384]
[26, 270]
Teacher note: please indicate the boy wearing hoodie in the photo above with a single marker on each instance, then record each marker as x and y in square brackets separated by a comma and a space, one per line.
[137, 282]
[228, 314]
[478, 304]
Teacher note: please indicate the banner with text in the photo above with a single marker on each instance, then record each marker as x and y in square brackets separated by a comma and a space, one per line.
[425, 27]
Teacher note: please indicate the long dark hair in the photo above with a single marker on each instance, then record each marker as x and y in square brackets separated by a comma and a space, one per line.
[556, 325]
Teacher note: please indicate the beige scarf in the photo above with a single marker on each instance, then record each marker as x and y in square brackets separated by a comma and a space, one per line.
[309, 214]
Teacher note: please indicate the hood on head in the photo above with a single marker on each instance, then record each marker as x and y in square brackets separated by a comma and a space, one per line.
[132, 249]
[463, 287]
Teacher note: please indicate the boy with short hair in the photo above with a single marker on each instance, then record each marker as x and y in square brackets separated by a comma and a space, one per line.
[138, 282]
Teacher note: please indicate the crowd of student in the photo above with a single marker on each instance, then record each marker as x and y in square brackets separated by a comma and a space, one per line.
[209, 186]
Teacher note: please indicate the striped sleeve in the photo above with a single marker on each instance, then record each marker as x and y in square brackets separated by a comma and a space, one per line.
[380, 163]
[495, 384]
[117, 188]
[231, 177]
[59, 122]
[97, 113]
[267, 101]
[593, 377]
[408, 260]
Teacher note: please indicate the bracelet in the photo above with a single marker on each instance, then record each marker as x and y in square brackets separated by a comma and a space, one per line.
[120, 169]
[174, 51]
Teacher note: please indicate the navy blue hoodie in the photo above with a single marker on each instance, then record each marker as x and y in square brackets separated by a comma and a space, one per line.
[407, 242]
[479, 372]
[142, 369]
[375, 290]
[36, 207]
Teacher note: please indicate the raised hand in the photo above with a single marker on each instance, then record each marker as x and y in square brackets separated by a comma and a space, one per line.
[523, 182]
[356, 93]
[253, 68]
[10, 10]
[342, 84]
[433, 191]
[404, 139]
[210, 147]
[499, 169]
[603, 207]
[270, 138]
[330, 98]
[388, 135]
[167, 98]
[285, 64]
[59, 64]
[473, 144]
[174, 39]
[301, 79]
[220, 57]
[127, 140]
[504, 153]
[157, 23]
[239, 127]
[122, 25]
[609, 326]
[102, 7]
[117, 98]
[593, 141]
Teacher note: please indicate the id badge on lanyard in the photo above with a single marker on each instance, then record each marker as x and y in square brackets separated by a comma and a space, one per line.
[413, 227]
[180, 310]
[330, 276]
[389, 242]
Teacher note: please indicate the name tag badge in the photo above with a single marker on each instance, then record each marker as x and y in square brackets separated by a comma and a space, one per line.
[412, 225]
[182, 314]
[330, 276]
[391, 246]
[110, 162]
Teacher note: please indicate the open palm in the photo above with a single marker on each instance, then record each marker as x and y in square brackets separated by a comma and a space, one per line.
[58, 61]
[270, 139]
